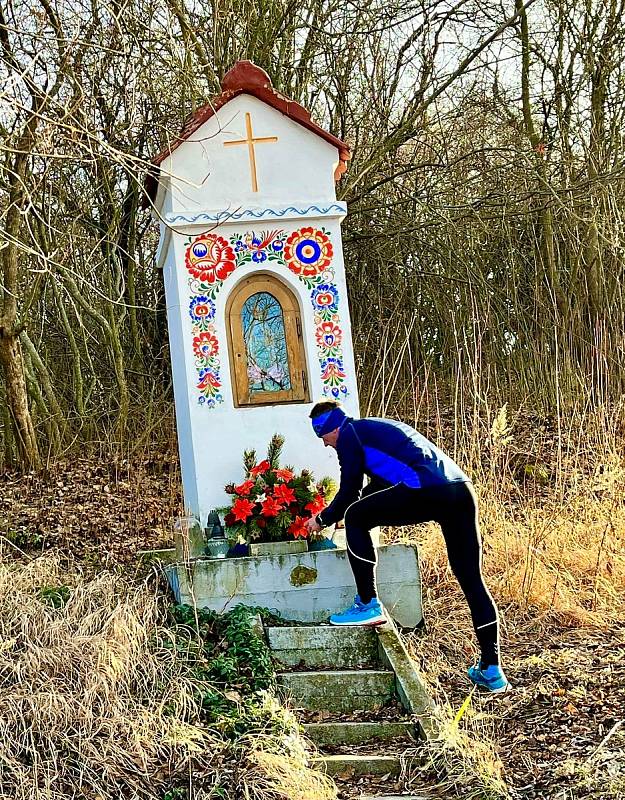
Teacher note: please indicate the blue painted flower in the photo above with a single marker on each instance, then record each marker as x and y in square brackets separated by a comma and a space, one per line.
[239, 246]
[259, 256]
[277, 245]
[325, 296]
[201, 308]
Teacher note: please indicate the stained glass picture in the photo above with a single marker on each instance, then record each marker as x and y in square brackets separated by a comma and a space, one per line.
[265, 344]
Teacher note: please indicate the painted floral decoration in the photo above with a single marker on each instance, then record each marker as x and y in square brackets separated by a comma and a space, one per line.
[333, 376]
[205, 346]
[329, 337]
[210, 258]
[201, 309]
[325, 299]
[308, 252]
[258, 248]
[209, 384]
[273, 504]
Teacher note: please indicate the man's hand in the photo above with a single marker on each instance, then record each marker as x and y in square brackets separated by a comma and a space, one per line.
[312, 526]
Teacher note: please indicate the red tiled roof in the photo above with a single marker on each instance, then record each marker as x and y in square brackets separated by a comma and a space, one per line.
[246, 78]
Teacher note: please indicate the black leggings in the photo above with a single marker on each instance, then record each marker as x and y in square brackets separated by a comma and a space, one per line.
[454, 507]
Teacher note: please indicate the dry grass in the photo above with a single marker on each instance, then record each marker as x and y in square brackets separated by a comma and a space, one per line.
[284, 777]
[94, 705]
[553, 527]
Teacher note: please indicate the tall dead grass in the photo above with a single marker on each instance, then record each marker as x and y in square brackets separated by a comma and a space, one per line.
[94, 705]
[552, 514]
[551, 496]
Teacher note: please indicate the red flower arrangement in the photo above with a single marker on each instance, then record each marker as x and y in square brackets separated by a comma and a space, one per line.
[274, 503]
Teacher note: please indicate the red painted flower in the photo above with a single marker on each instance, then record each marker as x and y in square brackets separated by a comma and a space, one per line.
[205, 345]
[308, 252]
[260, 469]
[210, 258]
[208, 380]
[271, 507]
[284, 474]
[284, 493]
[230, 519]
[329, 337]
[298, 528]
[242, 509]
[244, 489]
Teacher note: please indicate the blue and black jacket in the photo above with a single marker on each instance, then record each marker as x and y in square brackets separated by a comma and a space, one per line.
[389, 452]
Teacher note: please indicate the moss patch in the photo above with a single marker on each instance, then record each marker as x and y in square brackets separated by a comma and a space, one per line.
[301, 576]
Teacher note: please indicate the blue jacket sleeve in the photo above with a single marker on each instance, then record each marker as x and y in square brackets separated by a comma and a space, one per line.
[352, 463]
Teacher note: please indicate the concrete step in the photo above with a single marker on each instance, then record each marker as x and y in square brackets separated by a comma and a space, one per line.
[347, 767]
[324, 646]
[340, 690]
[356, 733]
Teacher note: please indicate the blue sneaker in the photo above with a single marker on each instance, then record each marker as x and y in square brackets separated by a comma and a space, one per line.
[360, 613]
[492, 678]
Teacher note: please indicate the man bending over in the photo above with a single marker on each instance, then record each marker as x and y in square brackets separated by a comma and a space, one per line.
[411, 481]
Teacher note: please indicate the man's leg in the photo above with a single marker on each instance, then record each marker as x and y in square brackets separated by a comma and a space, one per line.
[397, 505]
[459, 522]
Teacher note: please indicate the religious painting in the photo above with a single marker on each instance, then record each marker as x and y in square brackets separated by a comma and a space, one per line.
[265, 344]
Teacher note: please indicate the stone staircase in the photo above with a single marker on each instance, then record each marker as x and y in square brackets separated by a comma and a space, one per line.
[360, 700]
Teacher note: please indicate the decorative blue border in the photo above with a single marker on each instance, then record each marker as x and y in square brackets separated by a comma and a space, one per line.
[335, 210]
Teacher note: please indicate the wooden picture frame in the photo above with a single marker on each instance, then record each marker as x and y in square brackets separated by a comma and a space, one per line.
[256, 284]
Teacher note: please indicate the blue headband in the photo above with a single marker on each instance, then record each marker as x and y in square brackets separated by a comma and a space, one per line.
[328, 421]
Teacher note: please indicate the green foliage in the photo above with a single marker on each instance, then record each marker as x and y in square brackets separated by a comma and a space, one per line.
[231, 662]
[249, 461]
[274, 451]
[176, 794]
[327, 487]
[24, 538]
[55, 596]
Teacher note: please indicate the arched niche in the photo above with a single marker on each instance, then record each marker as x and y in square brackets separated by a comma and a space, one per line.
[265, 343]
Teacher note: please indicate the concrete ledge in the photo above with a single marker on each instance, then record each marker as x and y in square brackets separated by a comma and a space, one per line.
[412, 688]
[357, 766]
[324, 646]
[305, 587]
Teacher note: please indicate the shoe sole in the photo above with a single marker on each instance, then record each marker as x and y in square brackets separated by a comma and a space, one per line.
[487, 690]
[368, 624]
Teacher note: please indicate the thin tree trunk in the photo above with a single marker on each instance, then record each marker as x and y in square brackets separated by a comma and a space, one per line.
[12, 363]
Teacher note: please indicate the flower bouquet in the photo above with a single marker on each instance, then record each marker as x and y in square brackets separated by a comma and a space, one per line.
[273, 503]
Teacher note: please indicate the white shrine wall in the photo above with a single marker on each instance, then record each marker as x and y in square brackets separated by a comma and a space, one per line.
[212, 432]
[206, 175]
[205, 198]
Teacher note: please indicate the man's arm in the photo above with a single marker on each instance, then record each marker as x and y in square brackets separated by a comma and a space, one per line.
[352, 462]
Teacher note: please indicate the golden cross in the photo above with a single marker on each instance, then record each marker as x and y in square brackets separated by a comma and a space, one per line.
[250, 141]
